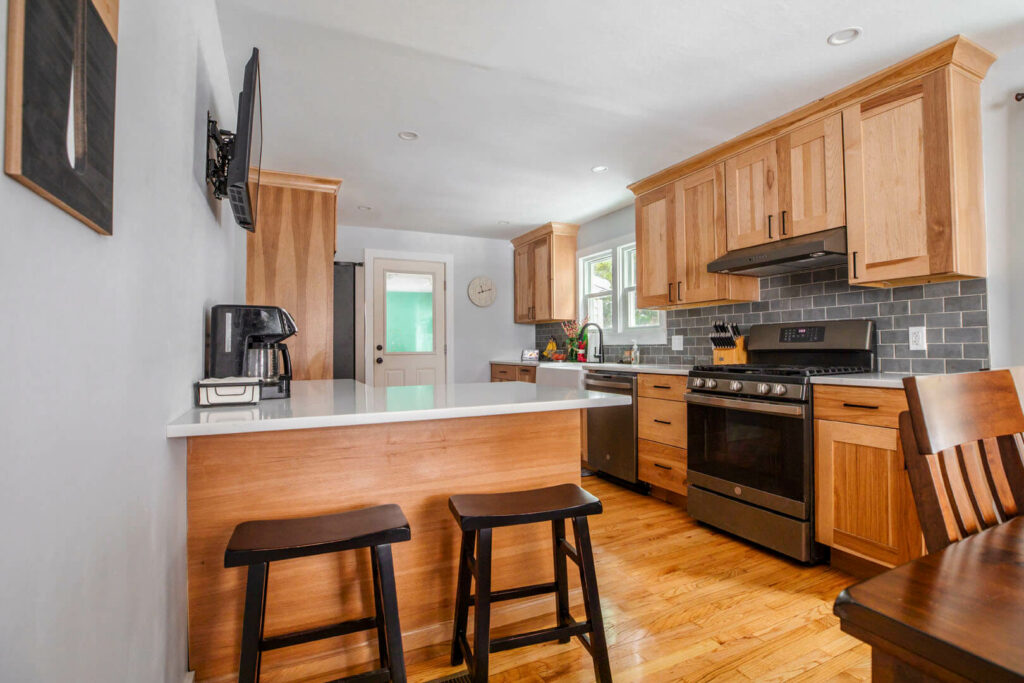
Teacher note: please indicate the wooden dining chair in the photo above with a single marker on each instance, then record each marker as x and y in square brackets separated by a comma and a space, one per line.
[964, 452]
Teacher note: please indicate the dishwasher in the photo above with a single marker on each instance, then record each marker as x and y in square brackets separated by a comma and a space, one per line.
[611, 432]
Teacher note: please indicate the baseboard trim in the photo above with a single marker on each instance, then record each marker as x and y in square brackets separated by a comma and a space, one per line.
[190, 677]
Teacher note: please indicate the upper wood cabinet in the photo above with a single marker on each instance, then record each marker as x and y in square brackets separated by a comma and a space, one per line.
[290, 263]
[752, 190]
[812, 190]
[914, 182]
[680, 228]
[545, 274]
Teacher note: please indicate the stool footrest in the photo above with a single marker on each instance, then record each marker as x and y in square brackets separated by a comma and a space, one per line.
[521, 592]
[542, 636]
[332, 631]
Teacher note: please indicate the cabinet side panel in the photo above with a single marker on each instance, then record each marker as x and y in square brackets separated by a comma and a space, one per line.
[969, 191]
[938, 183]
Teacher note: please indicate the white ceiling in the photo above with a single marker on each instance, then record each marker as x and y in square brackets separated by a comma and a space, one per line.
[515, 101]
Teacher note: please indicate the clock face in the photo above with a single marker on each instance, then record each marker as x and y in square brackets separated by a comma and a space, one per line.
[481, 291]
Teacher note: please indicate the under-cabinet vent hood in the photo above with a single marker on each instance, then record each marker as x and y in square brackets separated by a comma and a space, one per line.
[807, 252]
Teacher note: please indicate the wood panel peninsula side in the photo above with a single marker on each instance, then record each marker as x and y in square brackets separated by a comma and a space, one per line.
[341, 445]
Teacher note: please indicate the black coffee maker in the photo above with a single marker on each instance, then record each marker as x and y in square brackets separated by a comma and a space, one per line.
[245, 341]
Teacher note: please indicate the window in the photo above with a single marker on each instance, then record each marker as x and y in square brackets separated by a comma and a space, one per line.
[608, 297]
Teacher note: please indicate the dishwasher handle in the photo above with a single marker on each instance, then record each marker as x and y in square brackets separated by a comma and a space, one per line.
[606, 384]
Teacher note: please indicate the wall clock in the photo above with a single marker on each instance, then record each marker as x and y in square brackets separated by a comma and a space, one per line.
[481, 291]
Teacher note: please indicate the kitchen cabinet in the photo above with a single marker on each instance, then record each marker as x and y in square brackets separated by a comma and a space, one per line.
[680, 228]
[863, 502]
[915, 199]
[752, 197]
[812, 187]
[662, 466]
[661, 427]
[507, 372]
[290, 263]
[545, 274]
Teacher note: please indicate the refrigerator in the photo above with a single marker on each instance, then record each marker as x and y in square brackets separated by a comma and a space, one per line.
[349, 321]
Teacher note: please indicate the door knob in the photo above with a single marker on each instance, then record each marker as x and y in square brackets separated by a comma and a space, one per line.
[379, 347]
[379, 361]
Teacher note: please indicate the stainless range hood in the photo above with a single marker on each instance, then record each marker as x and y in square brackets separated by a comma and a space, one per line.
[807, 252]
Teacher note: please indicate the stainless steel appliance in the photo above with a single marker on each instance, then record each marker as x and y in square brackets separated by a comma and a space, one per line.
[245, 341]
[750, 431]
[611, 432]
[817, 250]
[348, 321]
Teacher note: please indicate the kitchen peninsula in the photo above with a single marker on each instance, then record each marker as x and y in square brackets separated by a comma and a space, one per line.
[340, 445]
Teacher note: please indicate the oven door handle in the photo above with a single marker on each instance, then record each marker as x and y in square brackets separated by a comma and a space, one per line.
[749, 406]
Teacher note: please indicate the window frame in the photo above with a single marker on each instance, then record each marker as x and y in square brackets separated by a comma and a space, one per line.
[620, 332]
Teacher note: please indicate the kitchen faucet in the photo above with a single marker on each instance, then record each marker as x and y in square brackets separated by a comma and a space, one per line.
[599, 352]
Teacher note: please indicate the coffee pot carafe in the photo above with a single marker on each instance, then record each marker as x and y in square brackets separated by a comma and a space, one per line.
[272, 365]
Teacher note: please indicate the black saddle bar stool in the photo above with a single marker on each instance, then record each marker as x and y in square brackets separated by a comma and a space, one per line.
[257, 544]
[477, 515]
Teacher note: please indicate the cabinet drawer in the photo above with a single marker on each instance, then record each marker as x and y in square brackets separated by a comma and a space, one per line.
[662, 420]
[526, 373]
[860, 405]
[503, 372]
[662, 466]
[662, 386]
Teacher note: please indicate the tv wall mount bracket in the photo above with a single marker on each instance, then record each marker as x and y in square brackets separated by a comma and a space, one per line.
[218, 156]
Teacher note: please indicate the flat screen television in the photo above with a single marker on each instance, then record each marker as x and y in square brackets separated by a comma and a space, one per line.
[244, 168]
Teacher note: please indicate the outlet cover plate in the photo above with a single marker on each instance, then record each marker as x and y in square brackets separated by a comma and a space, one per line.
[918, 339]
[677, 342]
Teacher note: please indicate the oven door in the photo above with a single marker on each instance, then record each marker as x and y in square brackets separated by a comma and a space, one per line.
[759, 452]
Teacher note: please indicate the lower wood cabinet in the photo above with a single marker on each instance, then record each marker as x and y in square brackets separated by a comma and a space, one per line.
[662, 420]
[662, 466]
[863, 502]
[661, 427]
[513, 373]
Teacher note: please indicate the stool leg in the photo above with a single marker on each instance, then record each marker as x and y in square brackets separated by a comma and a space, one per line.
[252, 623]
[378, 605]
[389, 596]
[462, 597]
[591, 601]
[482, 610]
[562, 615]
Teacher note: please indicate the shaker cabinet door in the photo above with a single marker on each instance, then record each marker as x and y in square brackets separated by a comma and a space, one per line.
[812, 188]
[752, 197]
[655, 224]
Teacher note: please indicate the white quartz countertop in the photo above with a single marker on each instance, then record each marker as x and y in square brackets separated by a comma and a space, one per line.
[617, 367]
[885, 380]
[344, 402]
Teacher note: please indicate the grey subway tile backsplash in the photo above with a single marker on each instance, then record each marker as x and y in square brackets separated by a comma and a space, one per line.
[953, 313]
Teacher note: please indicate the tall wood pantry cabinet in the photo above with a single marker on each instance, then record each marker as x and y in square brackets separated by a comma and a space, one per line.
[290, 263]
[545, 274]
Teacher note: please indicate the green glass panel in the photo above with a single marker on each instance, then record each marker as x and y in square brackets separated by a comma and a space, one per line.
[409, 312]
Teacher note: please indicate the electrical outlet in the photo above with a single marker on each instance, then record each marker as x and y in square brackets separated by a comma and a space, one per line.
[677, 342]
[918, 339]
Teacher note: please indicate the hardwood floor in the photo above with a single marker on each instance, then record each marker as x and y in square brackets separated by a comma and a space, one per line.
[685, 603]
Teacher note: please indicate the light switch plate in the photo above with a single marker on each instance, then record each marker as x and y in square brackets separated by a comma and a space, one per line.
[677, 342]
[918, 339]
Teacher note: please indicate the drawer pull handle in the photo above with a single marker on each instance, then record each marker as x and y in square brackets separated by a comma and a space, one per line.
[664, 467]
[661, 386]
[859, 405]
[663, 422]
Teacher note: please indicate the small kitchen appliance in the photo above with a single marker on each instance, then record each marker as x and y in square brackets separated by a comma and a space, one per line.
[245, 341]
[750, 431]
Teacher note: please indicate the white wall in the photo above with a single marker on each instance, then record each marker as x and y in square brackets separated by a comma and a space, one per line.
[1003, 137]
[102, 339]
[481, 334]
[610, 226]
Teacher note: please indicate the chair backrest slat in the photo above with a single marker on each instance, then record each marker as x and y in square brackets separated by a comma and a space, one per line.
[964, 450]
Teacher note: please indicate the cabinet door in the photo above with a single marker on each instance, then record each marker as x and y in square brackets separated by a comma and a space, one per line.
[895, 183]
[700, 234]
[541, 274]
[655, 218]
[523, 284]
[812, 190]
[752, 196]
[863, 503]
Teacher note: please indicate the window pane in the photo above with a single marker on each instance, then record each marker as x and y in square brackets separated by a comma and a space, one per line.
[599, 310]
[409, 312]
[598, 275]
[641, 317]
[628, 266]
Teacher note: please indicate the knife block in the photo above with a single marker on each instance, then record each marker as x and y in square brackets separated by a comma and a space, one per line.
[735, 356]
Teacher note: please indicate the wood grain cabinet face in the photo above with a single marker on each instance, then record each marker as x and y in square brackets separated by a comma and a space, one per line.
[661, 465]
[663, 421]
[655, 231]
[915, 204]
[863, 501]
[752, 197]
[812, 188]
[545, 274]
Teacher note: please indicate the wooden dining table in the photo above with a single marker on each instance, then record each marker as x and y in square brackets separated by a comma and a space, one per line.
[954, 615]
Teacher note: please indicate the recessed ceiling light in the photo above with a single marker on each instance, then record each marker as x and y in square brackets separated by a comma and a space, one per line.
[503, 223]
[365, 208]
[599, 169]
[845, 35]
[408, 135]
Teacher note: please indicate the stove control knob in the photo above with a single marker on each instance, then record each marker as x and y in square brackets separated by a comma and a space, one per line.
[735, 386]
[763, 388]
[698, 382]
[711, 384]
[779, 390]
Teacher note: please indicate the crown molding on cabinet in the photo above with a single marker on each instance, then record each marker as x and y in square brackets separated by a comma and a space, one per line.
[300, 181]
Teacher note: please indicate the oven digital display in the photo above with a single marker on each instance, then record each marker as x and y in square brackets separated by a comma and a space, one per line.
[801, 335]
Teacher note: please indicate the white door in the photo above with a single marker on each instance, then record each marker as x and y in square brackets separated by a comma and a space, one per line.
[408, 322]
